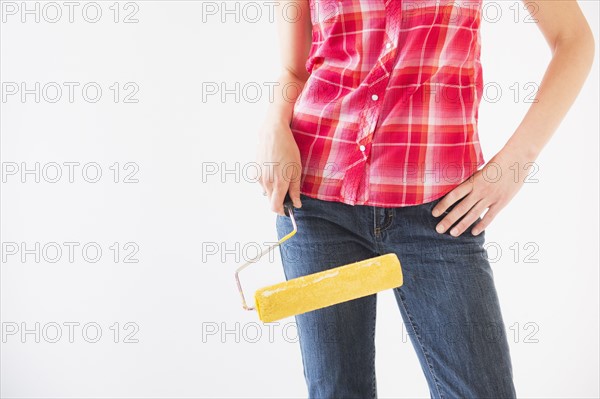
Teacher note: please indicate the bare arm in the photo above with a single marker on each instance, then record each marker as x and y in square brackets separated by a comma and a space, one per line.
[295, 39]
[572, 44]
[277, 151]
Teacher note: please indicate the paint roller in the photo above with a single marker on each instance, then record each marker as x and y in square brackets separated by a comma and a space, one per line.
[322, 289]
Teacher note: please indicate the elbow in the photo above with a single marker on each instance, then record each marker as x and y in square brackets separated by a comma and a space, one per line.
[592, 46]
[587, 44]
[582, 41]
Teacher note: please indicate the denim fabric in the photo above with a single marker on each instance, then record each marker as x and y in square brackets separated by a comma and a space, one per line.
[448, 301]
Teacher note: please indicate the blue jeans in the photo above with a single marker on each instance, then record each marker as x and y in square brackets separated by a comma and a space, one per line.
[448, 301]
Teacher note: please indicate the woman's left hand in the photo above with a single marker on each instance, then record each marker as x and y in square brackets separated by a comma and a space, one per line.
[491, 187]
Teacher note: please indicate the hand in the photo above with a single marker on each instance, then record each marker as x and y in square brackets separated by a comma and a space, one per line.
[279, 159]
[491, 187]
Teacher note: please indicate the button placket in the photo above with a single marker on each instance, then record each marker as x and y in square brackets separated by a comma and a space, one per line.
[375, 104]
[381, 79]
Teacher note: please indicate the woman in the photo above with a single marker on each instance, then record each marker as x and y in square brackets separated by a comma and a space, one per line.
[379, 151]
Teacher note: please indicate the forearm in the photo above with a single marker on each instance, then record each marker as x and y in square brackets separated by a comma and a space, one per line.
[570, 65]
[289, 86]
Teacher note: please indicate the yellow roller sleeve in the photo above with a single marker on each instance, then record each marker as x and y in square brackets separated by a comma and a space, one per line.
[329, 287]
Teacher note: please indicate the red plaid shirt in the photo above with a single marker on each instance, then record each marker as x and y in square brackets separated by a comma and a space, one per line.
[388, 115]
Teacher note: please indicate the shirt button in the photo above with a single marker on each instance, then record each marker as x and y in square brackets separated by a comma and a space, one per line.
[375, 97]
[362, 148]
[388, 45]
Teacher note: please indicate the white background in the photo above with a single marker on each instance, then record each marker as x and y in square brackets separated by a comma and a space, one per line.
[194, 339]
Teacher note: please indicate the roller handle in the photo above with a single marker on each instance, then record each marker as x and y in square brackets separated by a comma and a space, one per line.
[288, 208]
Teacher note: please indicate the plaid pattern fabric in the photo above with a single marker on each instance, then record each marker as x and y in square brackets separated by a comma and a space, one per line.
[388, 116]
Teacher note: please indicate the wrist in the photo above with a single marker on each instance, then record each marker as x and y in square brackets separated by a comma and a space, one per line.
[523, 151]
[273, 128]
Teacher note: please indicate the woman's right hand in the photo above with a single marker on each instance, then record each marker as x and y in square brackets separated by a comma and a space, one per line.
[279, 159]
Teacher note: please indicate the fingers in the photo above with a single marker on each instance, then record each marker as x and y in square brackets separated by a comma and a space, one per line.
[469, 218]
[267, 187]
[294, 191]
[486, 220]
[277, 197]
[459, 210]
[450, 198]
[268, 191]
[277, 182]
[281, 169]
[276, 191]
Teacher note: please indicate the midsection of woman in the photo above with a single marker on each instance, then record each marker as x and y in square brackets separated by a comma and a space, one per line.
[388, 114]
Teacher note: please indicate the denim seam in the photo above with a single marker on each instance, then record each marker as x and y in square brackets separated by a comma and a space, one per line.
[373, 386]
[376, 229]
[388, 221]
[435, 380]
